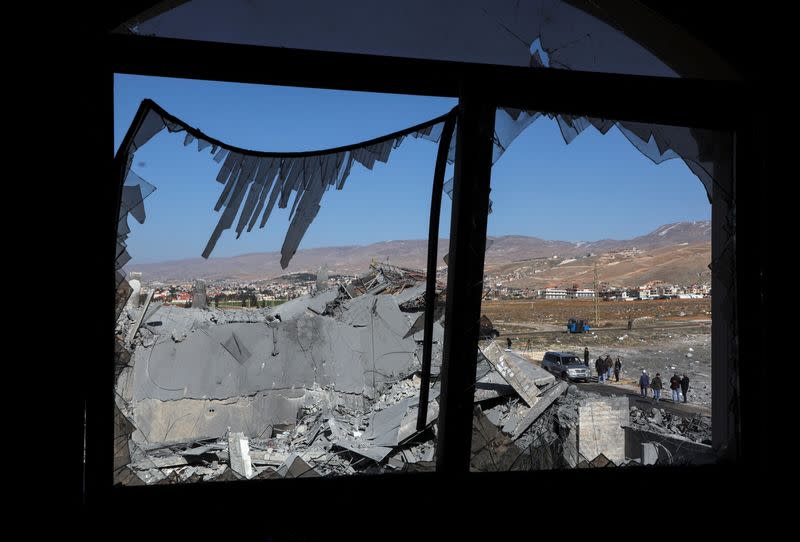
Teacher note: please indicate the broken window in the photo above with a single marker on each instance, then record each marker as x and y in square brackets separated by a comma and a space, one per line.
[325, 383]
[376, 419]
[541, 400]
[554, 34]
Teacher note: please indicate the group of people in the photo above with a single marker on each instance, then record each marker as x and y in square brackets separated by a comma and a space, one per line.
[678, 385]
[604, 366]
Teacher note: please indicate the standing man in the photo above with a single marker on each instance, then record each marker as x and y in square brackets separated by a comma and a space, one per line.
[508, 340]
[609, 367]
[617, 368]
[656, 385]
[644, 382]
[600, 367]
[685, 386]
[675, 386]
[586, 355]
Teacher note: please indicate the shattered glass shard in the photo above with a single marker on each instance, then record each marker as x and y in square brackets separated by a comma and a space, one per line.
[231, 163]
[221, 155]
[151, 125]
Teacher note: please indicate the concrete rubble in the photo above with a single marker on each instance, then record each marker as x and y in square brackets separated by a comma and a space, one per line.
[696, 428]
[325, 384]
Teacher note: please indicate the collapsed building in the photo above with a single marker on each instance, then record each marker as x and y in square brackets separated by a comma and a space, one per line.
[324, 384]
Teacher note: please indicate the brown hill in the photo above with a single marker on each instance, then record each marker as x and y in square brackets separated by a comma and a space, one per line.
[677, 264]
[673, 250]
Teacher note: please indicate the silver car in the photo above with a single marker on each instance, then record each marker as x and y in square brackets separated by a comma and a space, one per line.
[567, 365]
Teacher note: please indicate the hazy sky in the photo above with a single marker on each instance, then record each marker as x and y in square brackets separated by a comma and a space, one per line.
[594, 188]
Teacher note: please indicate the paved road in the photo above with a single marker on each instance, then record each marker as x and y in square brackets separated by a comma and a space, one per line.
[635, 399]
[662, 327]
[638, 401]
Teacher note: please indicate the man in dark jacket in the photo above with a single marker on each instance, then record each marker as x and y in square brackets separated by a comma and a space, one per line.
[617, 368]
[508, 341]
[586, 355]
[600, 367]
[656, 386]
[675, 386]
[644, 382]
[685, 386]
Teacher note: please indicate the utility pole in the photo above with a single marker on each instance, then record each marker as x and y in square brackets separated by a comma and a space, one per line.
[596, 295]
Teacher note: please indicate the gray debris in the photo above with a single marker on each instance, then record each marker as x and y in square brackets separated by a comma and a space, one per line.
[239, 454]
[521, 374]
[696, 428]
[296, 467]
[151, 476]
[199, 299]
[142, 313]
[491, 386]
[325, 384]
[649, 453]
[545, 400]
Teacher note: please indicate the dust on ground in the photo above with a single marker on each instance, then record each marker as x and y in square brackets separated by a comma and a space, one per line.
[668, 336]
[526, 315]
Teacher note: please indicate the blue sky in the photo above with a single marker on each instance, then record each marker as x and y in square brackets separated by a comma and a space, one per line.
[540, 186]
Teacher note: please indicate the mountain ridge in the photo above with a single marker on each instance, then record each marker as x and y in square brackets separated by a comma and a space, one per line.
[354, 259]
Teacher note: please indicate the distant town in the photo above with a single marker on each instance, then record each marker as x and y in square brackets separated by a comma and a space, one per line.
[651, 290]
[271, 292]
[225, 294]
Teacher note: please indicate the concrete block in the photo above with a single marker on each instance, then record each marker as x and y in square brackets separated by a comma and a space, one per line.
[239, 454]
[601, 425]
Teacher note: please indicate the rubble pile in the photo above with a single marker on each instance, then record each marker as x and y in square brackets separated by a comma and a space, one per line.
[696, 428]
[326, 384]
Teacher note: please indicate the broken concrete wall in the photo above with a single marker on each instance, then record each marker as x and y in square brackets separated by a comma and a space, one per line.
[196, 372]
[325, 384]
[601, 423]
[669, 450]
[524, 376]
[166, 421]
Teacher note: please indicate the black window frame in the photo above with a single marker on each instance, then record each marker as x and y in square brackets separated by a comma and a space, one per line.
[721, 105]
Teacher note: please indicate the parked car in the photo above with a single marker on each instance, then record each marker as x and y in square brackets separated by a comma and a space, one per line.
[566, 365]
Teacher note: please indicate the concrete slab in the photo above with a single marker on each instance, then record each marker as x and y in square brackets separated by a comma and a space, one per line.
[520, 373]
[601, 427]
[394, 424]
[387, 355]
[239, 454]
[544, 401]
[491, 386]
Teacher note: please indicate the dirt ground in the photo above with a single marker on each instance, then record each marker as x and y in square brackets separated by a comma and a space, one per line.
[520, 315]
[669, 336]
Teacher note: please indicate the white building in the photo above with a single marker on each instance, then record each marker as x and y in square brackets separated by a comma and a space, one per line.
[647, 293]
[554, 293]
[580, 293]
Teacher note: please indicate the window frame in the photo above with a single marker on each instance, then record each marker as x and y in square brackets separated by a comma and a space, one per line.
[685, 102]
